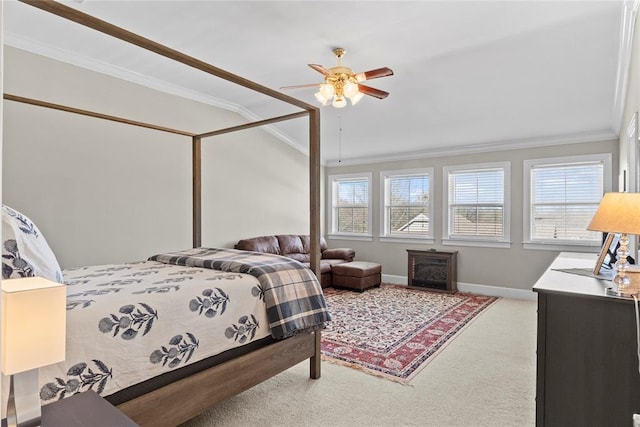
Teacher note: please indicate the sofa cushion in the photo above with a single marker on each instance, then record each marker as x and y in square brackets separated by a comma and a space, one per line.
[325, 267]
[290, 244]
[346, 254]
[267, 244]
[299, 257]
[306, 243]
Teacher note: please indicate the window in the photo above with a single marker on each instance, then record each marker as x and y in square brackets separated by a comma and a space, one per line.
[350, 208]
[561, 196]
[407, 211]
[477, 205]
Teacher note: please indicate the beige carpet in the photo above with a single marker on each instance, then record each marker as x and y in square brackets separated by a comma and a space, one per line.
[485, 377]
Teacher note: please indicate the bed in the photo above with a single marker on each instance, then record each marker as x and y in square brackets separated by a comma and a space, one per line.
[206, 380]
[136, 328]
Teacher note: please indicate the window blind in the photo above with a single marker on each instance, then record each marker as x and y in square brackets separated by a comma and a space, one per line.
[407, 205]
[476, 203]
[564, 198]
[351, 205]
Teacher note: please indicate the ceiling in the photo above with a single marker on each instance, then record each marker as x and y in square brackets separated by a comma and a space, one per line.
[470, 75]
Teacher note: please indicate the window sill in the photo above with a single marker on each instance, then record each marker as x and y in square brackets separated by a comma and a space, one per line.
[562, 247]
[407, 239]
[361, 237]
[478, 243]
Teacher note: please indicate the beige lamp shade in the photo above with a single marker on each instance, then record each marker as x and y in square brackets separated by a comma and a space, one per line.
[617, 213]
[33, 324]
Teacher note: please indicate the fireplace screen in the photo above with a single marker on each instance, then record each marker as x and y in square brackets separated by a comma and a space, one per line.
[434, 270]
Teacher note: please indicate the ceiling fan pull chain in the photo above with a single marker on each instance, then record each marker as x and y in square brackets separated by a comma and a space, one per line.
[339, 139]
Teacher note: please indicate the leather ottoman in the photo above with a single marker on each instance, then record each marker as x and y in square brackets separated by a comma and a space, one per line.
[358, 275]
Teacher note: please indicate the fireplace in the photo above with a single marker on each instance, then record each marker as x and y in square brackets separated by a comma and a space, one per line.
[432, 270]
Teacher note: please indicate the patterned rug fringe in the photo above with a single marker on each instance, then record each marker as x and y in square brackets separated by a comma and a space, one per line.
[360, 368]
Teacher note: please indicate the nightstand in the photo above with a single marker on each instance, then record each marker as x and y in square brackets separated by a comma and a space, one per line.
[85, 409]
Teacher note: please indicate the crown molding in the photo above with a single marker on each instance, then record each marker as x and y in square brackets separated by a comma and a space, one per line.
[518, 144]
[273, 130]
[92, 64]
[627, 29]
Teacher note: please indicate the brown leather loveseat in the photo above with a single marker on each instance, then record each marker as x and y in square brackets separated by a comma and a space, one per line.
[298, 247]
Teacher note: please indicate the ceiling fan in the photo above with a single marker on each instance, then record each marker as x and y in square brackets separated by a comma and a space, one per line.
[341, 82]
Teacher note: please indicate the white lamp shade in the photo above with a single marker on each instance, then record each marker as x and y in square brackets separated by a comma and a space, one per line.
[321, 98]
[327, 90]
[617, 213]
[33, 324]
[350, 89]
[339, 102]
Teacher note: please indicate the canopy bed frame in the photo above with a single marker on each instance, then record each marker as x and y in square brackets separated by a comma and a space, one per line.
[185, 398]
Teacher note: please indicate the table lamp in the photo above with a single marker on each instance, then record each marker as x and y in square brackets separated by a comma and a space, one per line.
[33, 335]
[619, 213]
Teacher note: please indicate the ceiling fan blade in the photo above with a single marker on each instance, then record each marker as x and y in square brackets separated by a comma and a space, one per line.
[300, 86]
[376, 93]
[374, 74]
[321, 69]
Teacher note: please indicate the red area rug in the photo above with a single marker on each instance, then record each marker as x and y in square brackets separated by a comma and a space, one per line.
[393, 331]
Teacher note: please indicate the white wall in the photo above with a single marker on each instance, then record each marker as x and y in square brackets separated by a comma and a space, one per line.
[254, 186]
[105, 192]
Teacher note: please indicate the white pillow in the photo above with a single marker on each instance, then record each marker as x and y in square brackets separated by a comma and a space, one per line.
[25, 251]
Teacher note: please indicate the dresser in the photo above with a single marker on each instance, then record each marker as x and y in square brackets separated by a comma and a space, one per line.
[587, 363]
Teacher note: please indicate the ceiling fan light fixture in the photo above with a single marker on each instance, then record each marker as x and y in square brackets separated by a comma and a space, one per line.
[321, 98]
[327, 90]
[341, 83]
[339, 102]
[350, 89]
[356, 98]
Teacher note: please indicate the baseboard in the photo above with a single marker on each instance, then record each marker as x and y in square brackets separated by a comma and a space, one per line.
[494, 291]
[395, 280]
[497, 291]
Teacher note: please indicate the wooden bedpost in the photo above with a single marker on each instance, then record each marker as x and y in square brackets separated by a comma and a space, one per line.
[314, 220]
[196, 165]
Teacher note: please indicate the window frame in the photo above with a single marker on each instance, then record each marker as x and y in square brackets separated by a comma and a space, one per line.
[496, 242]
[399, 238]
[562, 245]
[332, 180]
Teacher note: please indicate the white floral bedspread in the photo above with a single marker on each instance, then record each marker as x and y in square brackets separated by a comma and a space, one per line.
[130, 322]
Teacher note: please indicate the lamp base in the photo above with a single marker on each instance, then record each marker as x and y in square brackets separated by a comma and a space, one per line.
[621, 279]
[23, 407]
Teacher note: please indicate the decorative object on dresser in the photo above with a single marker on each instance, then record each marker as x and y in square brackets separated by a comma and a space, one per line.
[33, 335]
[433, 270]
[392, 331]
[618, 213]
[298, 247]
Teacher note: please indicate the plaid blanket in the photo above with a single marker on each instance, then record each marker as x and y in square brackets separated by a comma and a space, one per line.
[292, 294]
